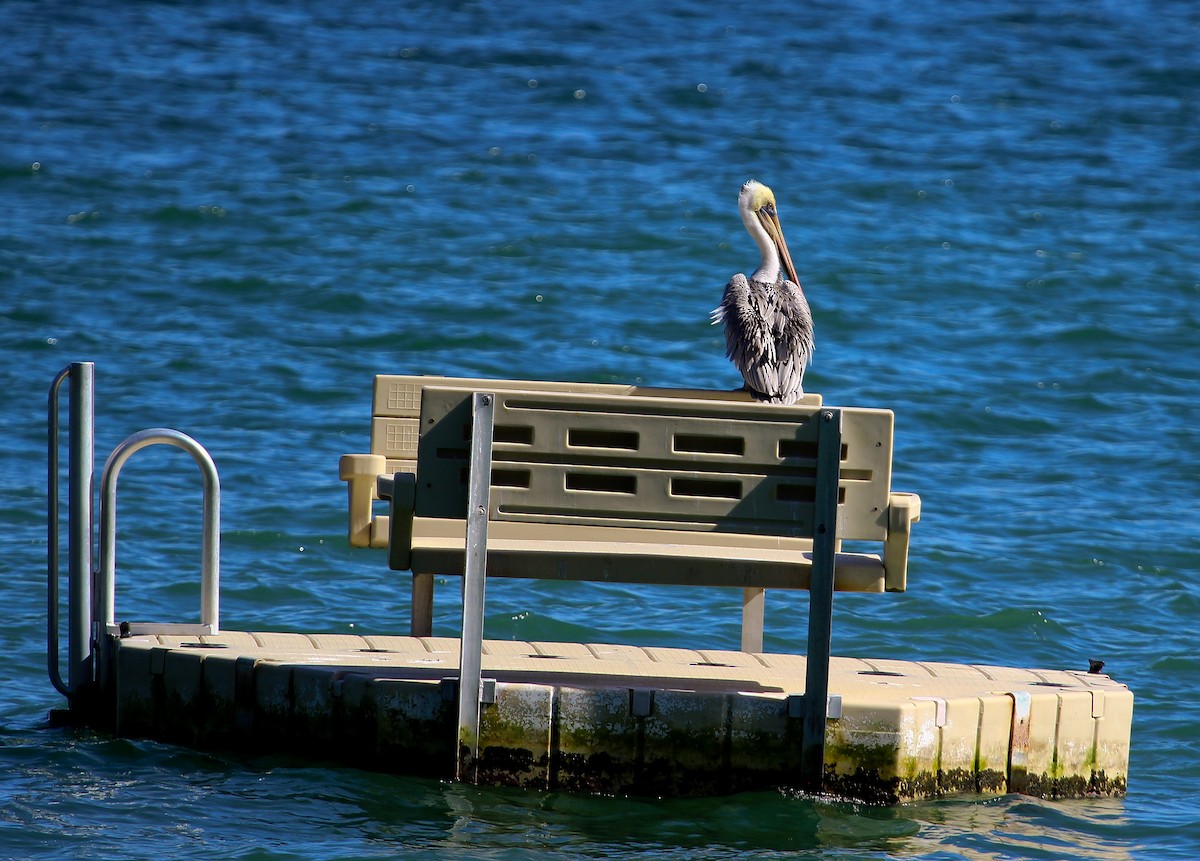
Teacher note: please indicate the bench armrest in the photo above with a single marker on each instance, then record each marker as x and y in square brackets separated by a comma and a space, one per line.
[401, 490]
[904, 509]
[359, 472]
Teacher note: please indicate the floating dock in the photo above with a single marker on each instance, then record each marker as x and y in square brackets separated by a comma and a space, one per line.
[586, 482]
[616, 719]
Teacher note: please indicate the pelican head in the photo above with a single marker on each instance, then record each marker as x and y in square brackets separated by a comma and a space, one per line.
[756, 202]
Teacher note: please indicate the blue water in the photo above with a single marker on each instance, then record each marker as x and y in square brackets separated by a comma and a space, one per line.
[243, 212]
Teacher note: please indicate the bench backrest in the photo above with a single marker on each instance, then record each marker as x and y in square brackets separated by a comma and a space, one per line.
[626, 460]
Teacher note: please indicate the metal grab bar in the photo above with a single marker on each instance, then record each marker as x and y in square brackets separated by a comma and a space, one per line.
[210, 552]
[80, 483]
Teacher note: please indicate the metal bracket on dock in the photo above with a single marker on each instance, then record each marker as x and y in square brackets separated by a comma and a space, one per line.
[833, 706]
[641, 702]
[939, 703]
[1018, 750]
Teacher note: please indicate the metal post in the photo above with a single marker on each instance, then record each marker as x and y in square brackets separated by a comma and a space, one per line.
[474, 577]
[79, 565]
[820, 612]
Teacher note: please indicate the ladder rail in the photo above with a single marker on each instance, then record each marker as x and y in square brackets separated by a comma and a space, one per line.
[81, 469]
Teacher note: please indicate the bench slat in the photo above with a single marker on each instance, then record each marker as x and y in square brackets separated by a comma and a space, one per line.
[399, 395]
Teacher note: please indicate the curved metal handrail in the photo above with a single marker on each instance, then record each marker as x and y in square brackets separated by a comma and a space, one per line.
[211, 540]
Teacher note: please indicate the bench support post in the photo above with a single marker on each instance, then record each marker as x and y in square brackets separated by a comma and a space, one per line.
[820, 611]
[754, 602]
[474, 578]
[421, 619]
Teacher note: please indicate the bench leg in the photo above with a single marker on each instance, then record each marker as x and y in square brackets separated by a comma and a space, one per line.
[422, 606]
[753, 602]
[474, 576]
[820, 608]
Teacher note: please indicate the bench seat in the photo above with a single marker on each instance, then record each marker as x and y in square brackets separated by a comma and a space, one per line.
[625, 555]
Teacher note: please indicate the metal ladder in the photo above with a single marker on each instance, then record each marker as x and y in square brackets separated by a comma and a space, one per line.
[91, 599]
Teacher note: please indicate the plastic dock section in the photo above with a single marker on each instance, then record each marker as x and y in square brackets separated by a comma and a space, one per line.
[472, 478]
[627, 720]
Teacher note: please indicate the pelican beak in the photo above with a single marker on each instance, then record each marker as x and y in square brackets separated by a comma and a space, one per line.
[770, 222]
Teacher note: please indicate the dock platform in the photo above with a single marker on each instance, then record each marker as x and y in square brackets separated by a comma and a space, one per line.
[572, 481]
[617, 719]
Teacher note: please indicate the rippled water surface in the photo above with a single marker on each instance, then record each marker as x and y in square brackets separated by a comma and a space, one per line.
[243, 212]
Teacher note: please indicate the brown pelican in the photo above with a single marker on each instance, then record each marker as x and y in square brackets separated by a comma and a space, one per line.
[768, 327]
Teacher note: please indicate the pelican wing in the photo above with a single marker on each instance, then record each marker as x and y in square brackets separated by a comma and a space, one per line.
[793, 340]
[768, 335]
[749, 342]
